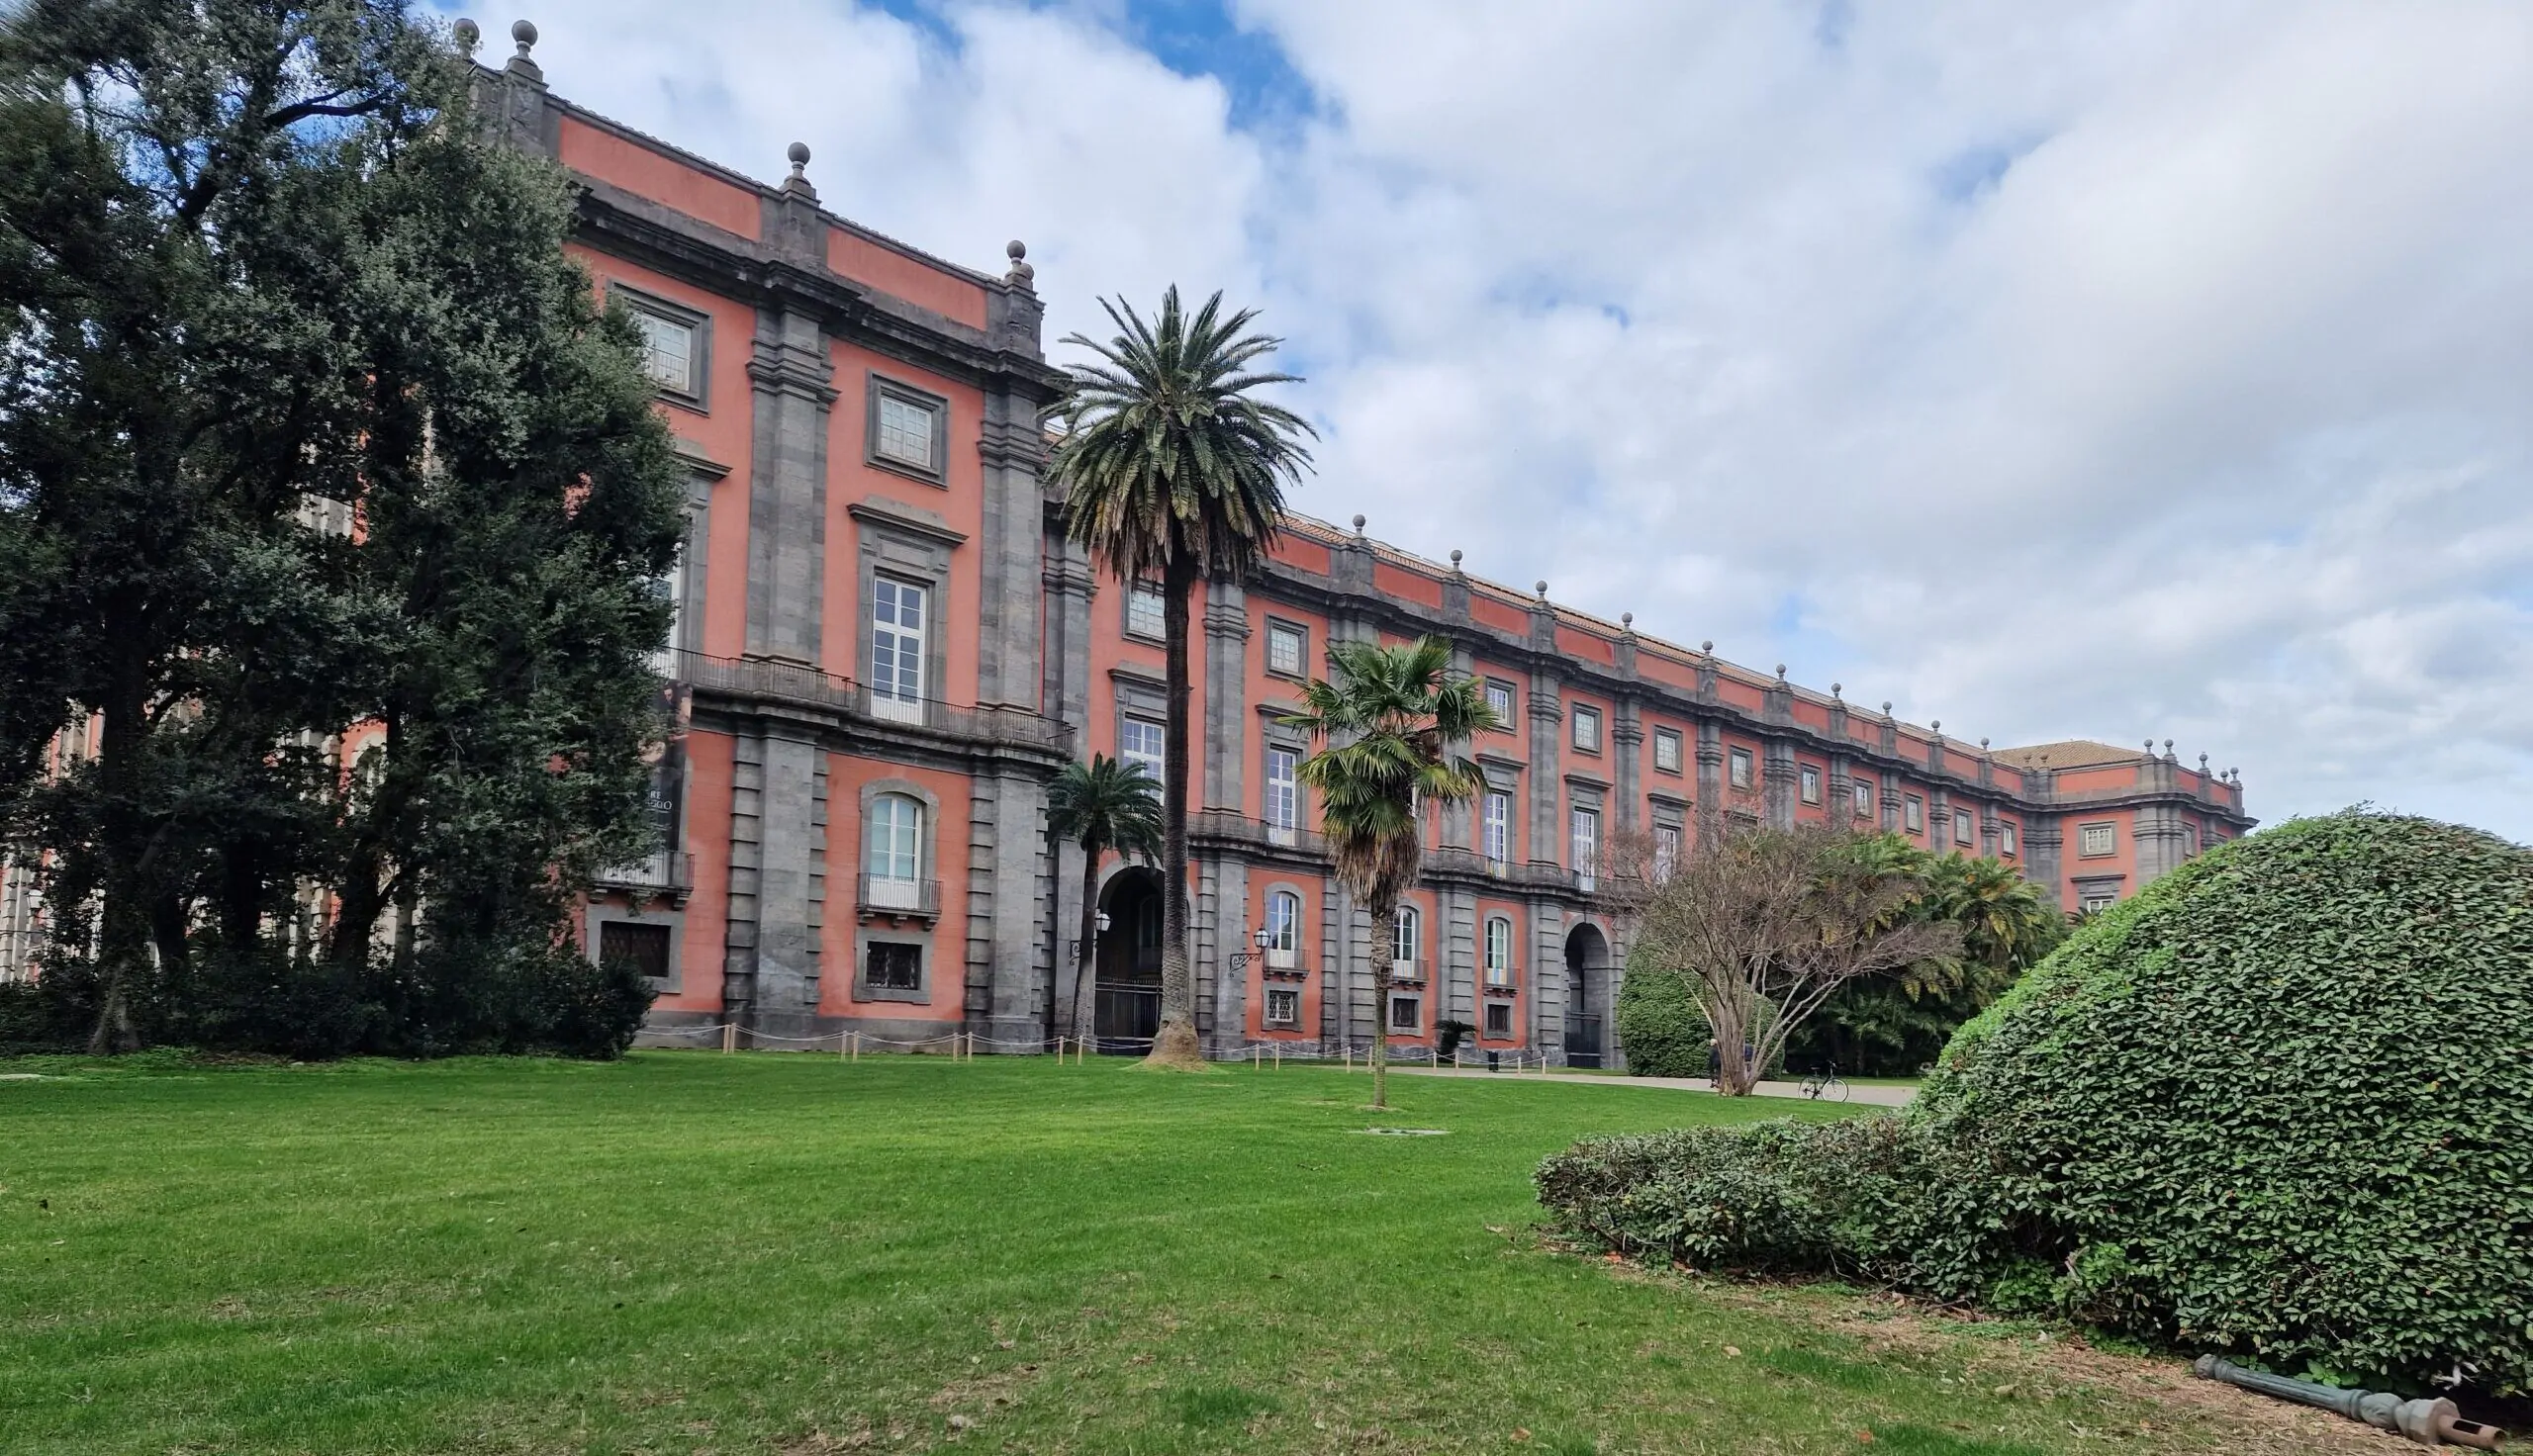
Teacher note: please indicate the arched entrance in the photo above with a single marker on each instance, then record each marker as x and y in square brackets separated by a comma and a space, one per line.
[1126, 967]
[1587, 994]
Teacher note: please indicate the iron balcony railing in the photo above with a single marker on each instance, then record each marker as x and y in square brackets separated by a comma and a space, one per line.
[799, 683]
[672, 870]
[879, 895]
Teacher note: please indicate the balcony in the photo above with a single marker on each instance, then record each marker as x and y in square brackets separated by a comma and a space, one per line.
[808, 686]
[877, 897]
[1407, 972]
[668, 871]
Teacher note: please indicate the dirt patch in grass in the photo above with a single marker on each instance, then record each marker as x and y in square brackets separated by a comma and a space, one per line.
[2023, 1362]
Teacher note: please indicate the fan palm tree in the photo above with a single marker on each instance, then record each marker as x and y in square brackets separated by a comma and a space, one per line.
[1396, 728]
[1101, 805]
[1172, 469]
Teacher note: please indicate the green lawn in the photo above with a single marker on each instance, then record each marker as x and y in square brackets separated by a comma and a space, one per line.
[688, 1252]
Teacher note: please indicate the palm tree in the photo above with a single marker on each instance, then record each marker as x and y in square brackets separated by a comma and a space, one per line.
[1101, 805]
[1171, 469]
[1396, 727]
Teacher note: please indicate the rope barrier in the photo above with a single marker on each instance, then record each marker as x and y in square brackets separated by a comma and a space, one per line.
[962, 1045]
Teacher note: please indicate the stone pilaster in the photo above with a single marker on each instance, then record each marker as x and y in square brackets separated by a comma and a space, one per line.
[1227, 707]
[790, 879]
[1777, 783]
[1009, 964]
[787, 487]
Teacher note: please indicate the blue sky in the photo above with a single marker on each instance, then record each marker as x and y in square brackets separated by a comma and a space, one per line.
[2110, 370]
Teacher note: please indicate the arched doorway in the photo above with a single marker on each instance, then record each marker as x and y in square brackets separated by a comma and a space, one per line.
[1587, 994]
[1126, 967]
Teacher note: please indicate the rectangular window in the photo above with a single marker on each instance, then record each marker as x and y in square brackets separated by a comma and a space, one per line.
[668, 351]
[1964, 830]
[1587, 730]
[1499, 700]
[1498, 829]
[906, 432]
[643, 946]
[2096, 840]
[1666, 751]
[1666, 850]
[1287, 648]
[1499, 951]
[1284, 794]
[1865, 799]
[1499, 1020]
[892, 965]
[1403, 941]
[1810, 781]
[1283, 1007]
[898, 630]
[1587, 847]
[894, 840]
[2188, 841]
[1742, 767]
[1913, 814]
[2005, 841]
[2097, 902]
[1406, 1013]
[1139, 746]
[1284, 929]
[1147, 612]
[671, 588]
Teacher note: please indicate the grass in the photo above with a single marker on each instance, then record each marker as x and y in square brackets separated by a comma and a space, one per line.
[690, 1252]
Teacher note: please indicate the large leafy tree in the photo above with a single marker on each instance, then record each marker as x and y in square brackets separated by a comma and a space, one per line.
[1395, 727]
[1102, 806]
[305, 423]
[1174, 469]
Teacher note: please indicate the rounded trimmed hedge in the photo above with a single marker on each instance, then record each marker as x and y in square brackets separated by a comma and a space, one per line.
[2281, 1104]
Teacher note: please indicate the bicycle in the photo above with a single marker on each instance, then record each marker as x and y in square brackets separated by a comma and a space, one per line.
[1825, 1083]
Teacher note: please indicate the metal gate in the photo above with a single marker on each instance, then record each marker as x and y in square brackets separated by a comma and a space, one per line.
[1582, 1041]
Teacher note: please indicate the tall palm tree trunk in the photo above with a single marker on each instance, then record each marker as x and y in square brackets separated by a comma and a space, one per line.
[1175, 1045]
[1086, 949]
[1383, 916]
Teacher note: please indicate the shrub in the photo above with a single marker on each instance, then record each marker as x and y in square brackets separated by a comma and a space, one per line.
[1658, 1025]
[2281, 1105]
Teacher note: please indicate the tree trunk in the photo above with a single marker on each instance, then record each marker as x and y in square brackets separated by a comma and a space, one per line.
[1384, 918]
[1175, 1046]
[1086, 949]
[122, 917]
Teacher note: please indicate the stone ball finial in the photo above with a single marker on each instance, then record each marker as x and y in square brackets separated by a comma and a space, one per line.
[1707, 647]
[1626, 619]
[798, 152]
[1780, 672]
[1936, 726]
[2150, 747]
[1456, 558]
[1021, 272]
[1983, 745]
[1542, 589]
[1016, 249]
[468, 34]
[1359, 524]
[1836, 688]
[524, 32]
[2167, 747]
[1886, 707]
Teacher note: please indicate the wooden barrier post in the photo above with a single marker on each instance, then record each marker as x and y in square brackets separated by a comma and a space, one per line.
[729, 1037]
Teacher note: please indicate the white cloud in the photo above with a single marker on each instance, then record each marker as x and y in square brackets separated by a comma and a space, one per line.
[2154, 369]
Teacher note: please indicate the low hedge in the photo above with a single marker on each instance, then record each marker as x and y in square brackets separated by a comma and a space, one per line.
[2279, 1105]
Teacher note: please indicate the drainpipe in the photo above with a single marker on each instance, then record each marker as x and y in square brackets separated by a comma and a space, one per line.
[2430, 1422]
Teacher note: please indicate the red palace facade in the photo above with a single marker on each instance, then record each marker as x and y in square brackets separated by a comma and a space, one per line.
[884, 649]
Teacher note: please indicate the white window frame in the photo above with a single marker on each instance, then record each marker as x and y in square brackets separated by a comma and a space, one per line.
[893, 415]
[1282, 805]
[1862, 789]
[1499, 949]
[1287, 635]
[672, 585]
[1406, 934]
[1283, 922]
[1584, 841]
[1149, 761]
[657, 326]
[1965, 827]
[1666, 751]
[2009, 843]
[1495, 829]
[2085, 841]
[1912, 814]
[1157, 627]
[1808, 784]
[893, 852]
[1587, 730]
[897, 650]
[1739, 769]
[1499, 698]
[1666, 850]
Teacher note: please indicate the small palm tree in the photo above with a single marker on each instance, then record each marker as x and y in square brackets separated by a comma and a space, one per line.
[1171, 468]
[1396, 728]
[1101, 805]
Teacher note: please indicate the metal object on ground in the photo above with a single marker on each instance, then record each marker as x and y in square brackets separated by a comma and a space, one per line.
[2432, 1421]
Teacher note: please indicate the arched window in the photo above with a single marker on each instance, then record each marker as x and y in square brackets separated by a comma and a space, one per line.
[1403, 941]
[1284, 928]
[892, 850]
[1499, 950]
